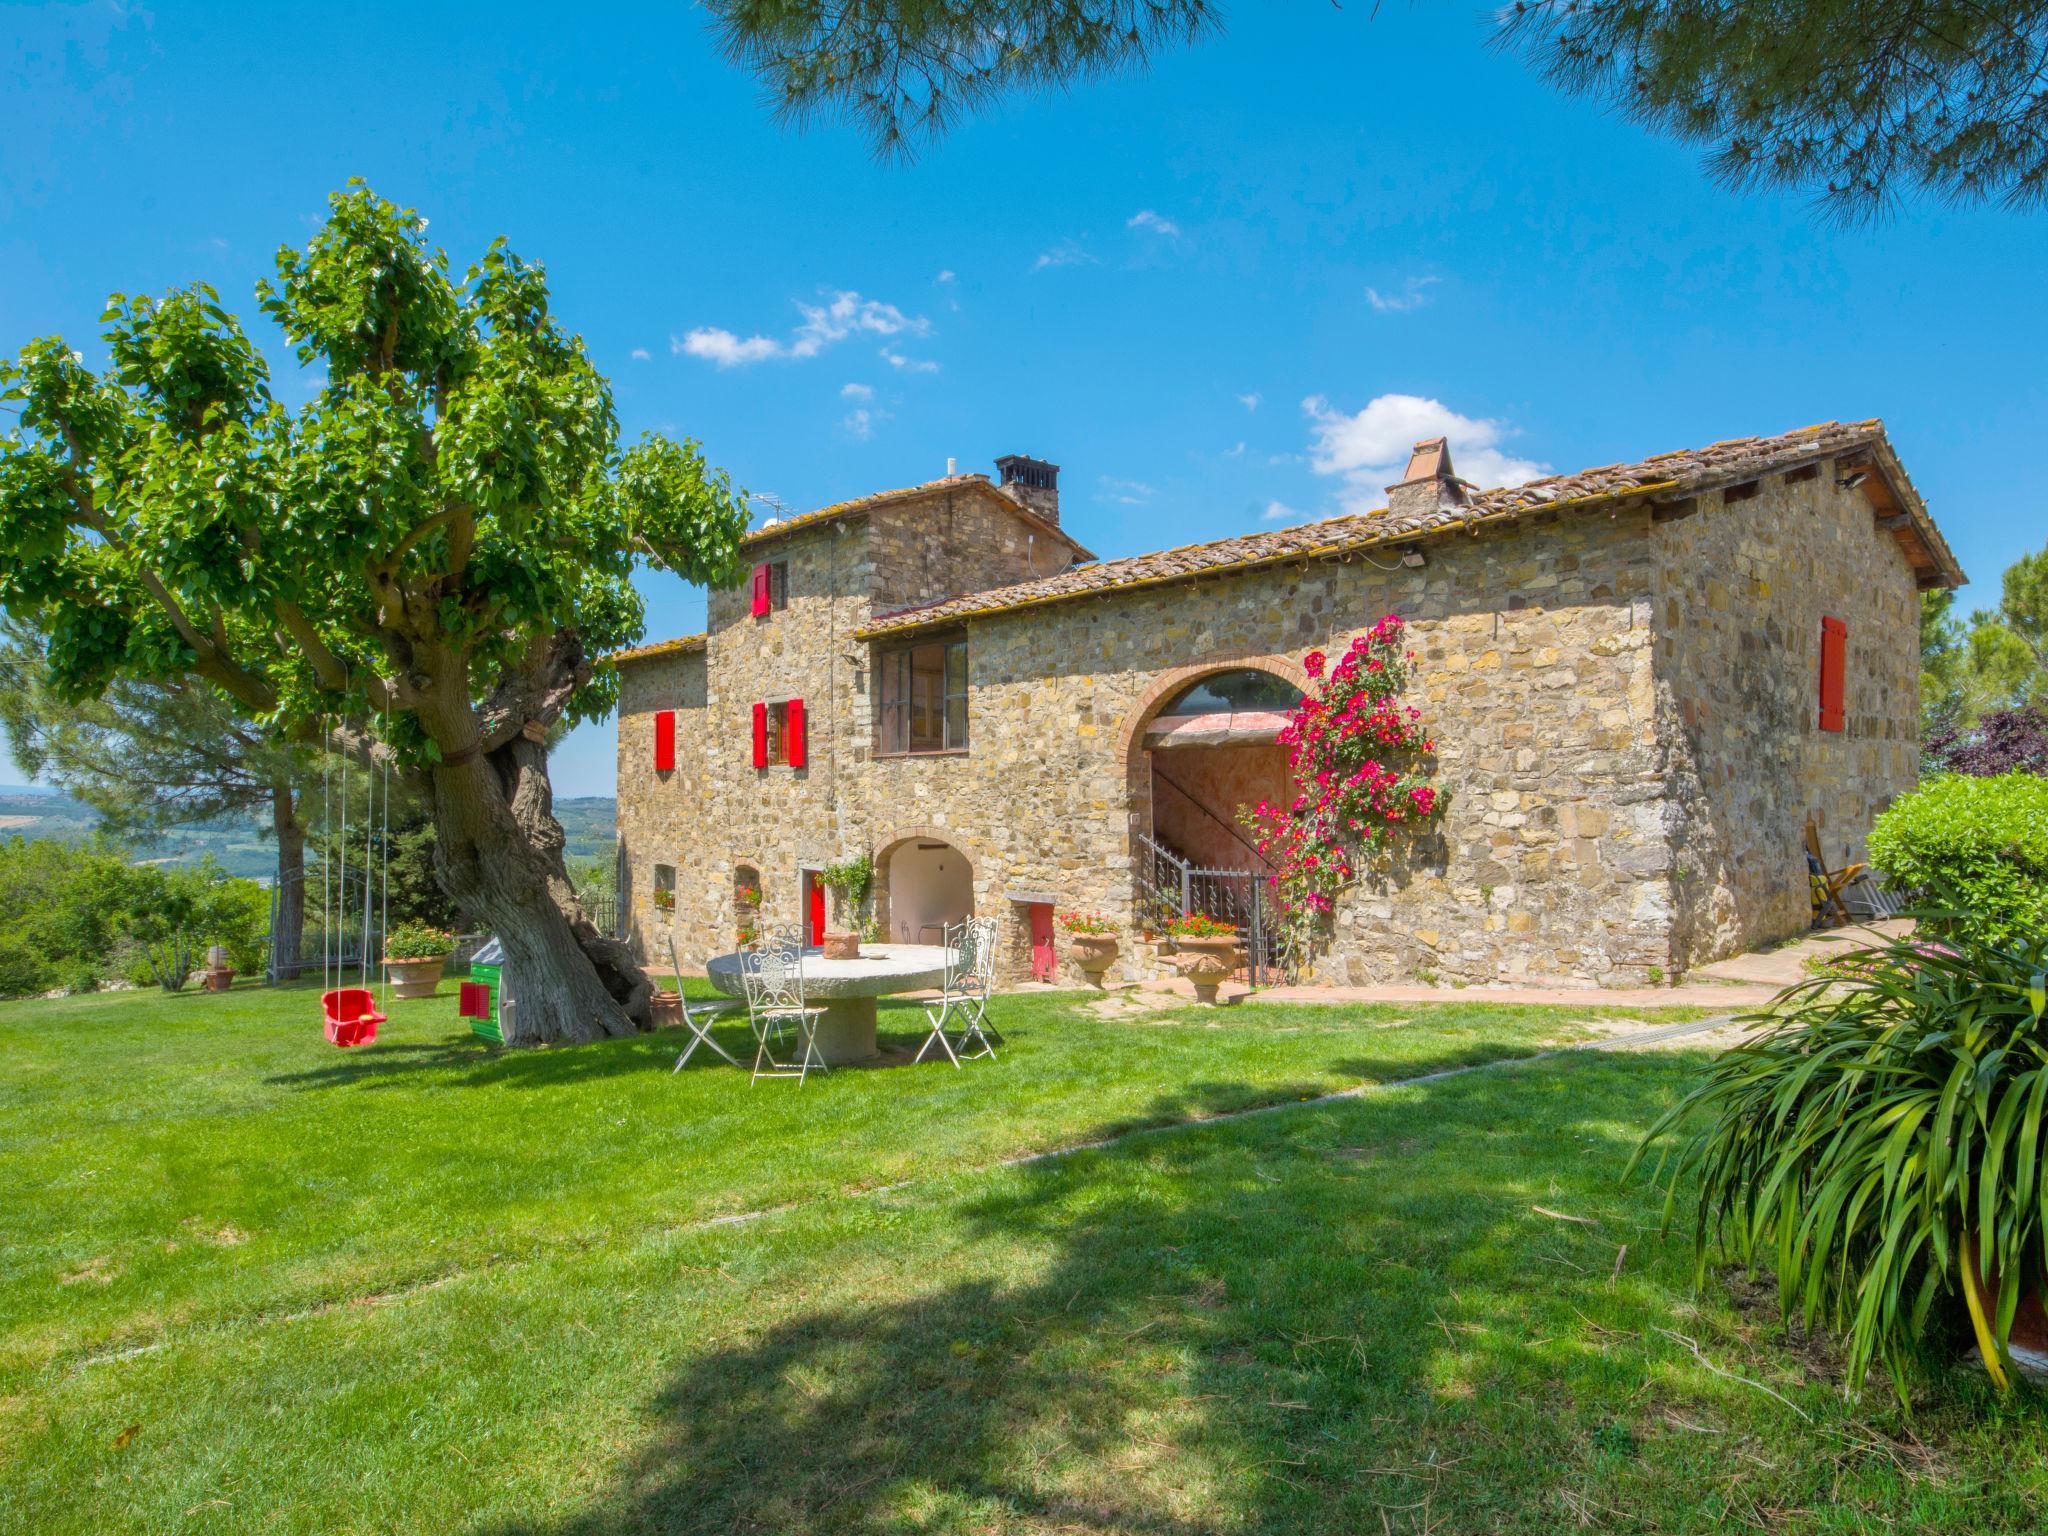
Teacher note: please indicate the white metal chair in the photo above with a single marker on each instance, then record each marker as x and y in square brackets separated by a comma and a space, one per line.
[970, 978]
[772, 968]
[699, 1019]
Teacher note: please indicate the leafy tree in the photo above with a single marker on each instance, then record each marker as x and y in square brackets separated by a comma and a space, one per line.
[1996, 667]
[172, 915]
[149, 755]
[414, 569]
[1855, 101]
[62, 912]
[2004, 741]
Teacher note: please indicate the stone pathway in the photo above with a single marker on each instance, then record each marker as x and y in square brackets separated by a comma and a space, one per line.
[1710, 994]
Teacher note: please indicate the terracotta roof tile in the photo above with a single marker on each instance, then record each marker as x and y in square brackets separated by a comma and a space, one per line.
[1680, 473]
[673, 647]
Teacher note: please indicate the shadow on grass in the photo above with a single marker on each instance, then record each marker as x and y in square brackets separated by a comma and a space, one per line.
[1347, 1319]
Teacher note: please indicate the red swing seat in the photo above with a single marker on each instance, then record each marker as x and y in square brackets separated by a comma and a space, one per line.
[352, 1016]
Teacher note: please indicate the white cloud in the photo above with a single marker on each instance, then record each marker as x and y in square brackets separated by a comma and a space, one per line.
[1068, 253]
[904, 364]
[1276, 510]
[1159, 224]
[1413, 294]
[1129, 493]
[860, 422]
[1369, 448]
[856, 391]
[641, 354]
[725, 349]
[1251, 401]
[1234, 453]
[843, 313]
[945, 276]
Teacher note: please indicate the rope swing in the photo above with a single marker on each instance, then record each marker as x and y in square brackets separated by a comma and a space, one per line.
[352, 1013]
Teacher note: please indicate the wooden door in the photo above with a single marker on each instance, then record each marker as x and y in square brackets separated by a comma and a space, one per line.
[814, 905]
[1044, 962]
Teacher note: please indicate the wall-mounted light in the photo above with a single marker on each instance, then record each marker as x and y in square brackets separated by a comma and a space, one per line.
[1854, 478]
[1414, 559]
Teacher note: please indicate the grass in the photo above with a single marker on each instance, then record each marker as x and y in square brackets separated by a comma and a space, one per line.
[423, 1286]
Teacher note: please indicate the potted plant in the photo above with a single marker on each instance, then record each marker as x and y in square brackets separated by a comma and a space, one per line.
[1091, 943]
[413, 957]
[849, 882]
[1205, 951]
[1876, 1146]
[220, 975]
[664, 899]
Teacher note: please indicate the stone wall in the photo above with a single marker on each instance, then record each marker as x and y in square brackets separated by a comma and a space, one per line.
[1742, 589]
[1622, 703]
[960, 540]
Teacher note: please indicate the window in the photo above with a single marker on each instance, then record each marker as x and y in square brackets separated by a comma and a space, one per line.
[770, 588]
[781, 738]
[921, 699]
[664, 887]
[664, 741]
[1226, 693]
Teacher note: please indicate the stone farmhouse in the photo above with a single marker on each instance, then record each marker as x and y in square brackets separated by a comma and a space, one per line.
[1644, 681]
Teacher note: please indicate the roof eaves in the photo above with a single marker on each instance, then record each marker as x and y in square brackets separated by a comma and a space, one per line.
[1774, 454]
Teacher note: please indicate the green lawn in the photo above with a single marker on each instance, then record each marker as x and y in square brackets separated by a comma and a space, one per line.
[252, 1283]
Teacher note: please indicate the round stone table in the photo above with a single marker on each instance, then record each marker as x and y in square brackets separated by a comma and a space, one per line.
[847, 989]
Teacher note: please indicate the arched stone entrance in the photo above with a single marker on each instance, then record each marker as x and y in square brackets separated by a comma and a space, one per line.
[923, 884]
[1202, 745]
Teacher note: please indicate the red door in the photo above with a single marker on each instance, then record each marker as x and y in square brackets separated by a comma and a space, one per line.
[814, 903]
[1044, 962]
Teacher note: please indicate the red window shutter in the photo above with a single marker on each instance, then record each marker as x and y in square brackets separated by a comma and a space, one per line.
[664, 740]
[760, 590]
[1834, 645]
[760, 735]
[793, 731]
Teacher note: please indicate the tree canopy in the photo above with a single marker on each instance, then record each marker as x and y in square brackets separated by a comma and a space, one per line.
[415, 568]
[1856, 102]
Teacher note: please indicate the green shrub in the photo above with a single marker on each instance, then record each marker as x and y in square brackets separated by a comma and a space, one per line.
[1978, 847]
[173, 915]
[1878, 1146]
[62, 907]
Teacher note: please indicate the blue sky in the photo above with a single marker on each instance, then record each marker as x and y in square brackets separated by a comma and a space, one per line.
[1221, 295]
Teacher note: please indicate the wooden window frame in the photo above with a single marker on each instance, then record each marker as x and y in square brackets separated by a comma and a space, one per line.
[896, 701]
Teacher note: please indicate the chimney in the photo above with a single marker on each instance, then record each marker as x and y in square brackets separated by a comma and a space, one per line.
[1032, 482]
[1429, 486]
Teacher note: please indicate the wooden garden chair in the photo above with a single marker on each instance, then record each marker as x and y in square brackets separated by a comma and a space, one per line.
[1828, 884]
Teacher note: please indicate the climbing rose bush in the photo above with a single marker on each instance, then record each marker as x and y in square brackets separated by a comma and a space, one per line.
[1359, 759]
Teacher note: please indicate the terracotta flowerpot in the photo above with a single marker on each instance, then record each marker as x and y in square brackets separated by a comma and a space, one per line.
[2028, 1341]
[668, 1009]
[220, 979]
[1206, 962]
[841, 946]
[412, 979]
[1092, 954]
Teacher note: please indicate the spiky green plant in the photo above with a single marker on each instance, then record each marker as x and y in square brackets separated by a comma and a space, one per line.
[1878, 1145]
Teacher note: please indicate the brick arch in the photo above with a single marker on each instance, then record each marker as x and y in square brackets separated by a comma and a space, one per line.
[1168, 683]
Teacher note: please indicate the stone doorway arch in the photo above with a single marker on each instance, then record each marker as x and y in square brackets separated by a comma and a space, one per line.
[924, 882]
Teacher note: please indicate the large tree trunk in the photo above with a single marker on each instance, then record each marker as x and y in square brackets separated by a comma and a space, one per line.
[288, 928]
[499, 855]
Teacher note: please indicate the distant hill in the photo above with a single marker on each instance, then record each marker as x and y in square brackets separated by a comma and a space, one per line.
[241, 846]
